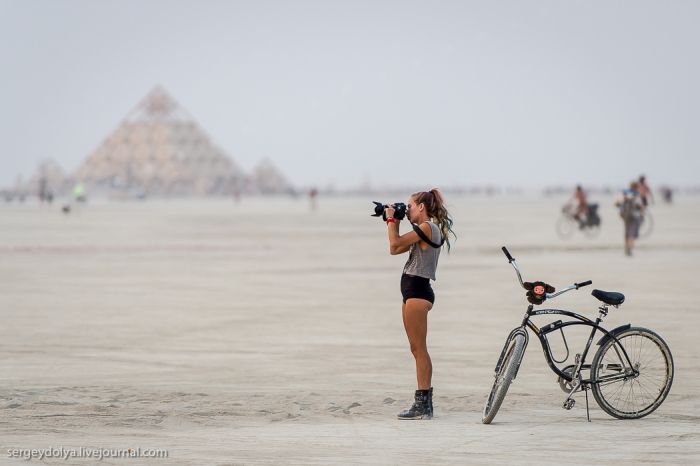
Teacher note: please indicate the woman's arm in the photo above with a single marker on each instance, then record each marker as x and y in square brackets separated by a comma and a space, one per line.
[398, 244]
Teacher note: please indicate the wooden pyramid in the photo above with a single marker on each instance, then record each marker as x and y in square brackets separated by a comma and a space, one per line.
[160, 150]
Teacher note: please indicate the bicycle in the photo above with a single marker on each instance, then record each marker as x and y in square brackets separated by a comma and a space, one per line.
[631, 372]
[567, 222]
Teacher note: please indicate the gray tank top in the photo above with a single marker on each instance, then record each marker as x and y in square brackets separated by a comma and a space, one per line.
[424, 263]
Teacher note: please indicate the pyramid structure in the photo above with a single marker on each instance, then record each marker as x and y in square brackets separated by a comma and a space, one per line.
[159, 149]
[266, 178]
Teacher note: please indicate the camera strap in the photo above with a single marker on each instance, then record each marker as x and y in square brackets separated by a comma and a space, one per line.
[422, 236]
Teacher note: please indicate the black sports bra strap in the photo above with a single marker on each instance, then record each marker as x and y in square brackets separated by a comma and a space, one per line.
[422, 236]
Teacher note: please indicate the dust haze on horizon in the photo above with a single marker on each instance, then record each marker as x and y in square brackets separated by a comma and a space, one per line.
[381, 93]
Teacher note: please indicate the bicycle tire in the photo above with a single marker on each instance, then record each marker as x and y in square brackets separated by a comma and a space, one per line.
[650, 354]
[565, 226]
[513, 356]
[647, 225]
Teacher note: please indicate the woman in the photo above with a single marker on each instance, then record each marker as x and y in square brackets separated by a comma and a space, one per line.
[431, 225]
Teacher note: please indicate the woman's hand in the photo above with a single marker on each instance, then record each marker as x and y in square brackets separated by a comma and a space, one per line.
[389, 211]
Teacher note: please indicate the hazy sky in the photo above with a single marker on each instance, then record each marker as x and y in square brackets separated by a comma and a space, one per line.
[434, 92]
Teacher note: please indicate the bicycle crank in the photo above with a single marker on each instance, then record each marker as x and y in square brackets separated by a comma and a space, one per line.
[564, 384]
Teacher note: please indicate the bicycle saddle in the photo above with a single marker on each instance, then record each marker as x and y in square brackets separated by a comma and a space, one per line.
[609, 297]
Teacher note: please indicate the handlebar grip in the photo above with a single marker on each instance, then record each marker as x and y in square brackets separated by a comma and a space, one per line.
[505, 251]
[582, 284]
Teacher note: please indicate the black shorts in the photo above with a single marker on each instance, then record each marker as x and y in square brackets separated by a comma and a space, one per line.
[416, 287]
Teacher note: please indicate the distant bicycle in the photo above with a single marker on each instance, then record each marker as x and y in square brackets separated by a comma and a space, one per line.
[631, 372]
[567, 223]
[647, 224]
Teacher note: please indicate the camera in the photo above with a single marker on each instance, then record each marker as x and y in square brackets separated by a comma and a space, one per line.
[380, 210]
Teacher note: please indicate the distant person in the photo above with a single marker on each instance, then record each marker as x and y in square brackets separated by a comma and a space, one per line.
[431, 225]
[644, 191]
[581, 205]
[79, 192]
[632, 213]
[667, 194]
[313, 195]
[43, 189]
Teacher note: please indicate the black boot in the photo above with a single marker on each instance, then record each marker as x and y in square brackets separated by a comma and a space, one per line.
[421, 408]
[430, 401]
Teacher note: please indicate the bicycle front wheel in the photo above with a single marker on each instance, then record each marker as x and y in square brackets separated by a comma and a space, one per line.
[632, 392]
[514, 351]
[566, 226]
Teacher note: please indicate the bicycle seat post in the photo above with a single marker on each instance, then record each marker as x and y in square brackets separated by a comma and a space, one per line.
[603, 312]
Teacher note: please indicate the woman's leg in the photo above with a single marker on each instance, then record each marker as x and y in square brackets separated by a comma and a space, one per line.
[415, 320]
[403, 314]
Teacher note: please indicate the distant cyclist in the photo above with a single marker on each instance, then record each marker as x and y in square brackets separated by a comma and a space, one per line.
[581, 203]
[644, 191]
[632, 212]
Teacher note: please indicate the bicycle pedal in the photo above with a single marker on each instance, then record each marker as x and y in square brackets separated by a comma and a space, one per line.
[568, 404]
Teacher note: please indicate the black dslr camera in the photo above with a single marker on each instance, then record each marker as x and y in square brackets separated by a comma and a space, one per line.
[380, 210]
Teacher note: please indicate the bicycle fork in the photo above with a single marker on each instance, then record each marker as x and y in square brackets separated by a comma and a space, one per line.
[513, 333]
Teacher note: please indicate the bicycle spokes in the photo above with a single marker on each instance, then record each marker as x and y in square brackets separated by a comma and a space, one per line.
[633, 390]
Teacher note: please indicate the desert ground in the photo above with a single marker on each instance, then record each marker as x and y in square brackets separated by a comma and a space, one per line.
[263, 332]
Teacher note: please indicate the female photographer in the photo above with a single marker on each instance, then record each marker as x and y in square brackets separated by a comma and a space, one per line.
[431, 225]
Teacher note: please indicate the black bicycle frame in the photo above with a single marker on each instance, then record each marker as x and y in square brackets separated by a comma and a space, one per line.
[580, 320]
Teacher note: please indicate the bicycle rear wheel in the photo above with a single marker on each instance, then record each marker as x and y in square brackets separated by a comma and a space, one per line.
[591, 231]
[513, 355]
[620, 392]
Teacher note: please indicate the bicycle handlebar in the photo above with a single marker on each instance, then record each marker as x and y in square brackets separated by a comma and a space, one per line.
[505, 251]
[575, 286]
